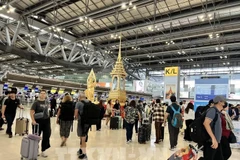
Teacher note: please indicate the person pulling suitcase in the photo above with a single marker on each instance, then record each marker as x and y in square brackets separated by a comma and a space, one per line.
[9, 110]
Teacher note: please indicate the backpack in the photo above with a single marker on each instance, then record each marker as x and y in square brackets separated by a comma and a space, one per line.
[177, 120]
[200, 110]
[91, 113]
[198, 132]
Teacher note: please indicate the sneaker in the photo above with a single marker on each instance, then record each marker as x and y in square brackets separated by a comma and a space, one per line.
[44, 155]
[62, 144]
[79, 152]
[10, 136]
[83, 156]
[130, 140]
[1, 129]
[172, 149]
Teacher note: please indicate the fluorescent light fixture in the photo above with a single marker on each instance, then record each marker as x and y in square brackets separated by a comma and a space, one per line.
[81, 19]
[6, 17]
[33, 27]
[134, 7]
[124, 5]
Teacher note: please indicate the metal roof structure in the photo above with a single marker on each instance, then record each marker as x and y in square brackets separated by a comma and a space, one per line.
[54, 37]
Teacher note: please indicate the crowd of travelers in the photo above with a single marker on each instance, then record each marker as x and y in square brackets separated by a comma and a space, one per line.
[177, 116]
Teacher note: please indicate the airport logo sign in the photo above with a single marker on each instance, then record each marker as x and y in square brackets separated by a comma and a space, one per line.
[171, 71]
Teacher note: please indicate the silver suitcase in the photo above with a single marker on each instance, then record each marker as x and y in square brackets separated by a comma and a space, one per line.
[29, 146]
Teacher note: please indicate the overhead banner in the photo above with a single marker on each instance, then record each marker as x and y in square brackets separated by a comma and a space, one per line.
[207, 89]
[171, 83]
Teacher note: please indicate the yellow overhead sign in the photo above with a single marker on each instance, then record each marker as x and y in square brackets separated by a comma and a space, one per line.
[171, 71]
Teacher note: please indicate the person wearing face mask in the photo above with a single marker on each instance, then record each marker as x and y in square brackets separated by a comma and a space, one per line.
[213, 125]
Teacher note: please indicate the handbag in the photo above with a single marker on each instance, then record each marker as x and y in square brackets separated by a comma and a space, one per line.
[232, 138]
[39, 115]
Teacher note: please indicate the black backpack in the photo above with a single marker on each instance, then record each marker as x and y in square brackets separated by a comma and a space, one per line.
[200, 110]
[91, 113]
[198, 131]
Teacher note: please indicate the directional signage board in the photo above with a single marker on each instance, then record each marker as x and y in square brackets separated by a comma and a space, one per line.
[171, 71]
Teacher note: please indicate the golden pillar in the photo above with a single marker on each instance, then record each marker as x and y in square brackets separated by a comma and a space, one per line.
[91, 84]
[118, 74]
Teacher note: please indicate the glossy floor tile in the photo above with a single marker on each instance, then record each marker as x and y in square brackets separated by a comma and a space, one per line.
[103, 145]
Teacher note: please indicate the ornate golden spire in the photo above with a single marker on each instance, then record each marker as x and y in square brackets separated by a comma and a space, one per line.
[119, 59]
[119, 68]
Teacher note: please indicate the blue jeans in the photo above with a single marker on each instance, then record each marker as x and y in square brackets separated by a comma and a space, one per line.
[9, 118]
[129, 131]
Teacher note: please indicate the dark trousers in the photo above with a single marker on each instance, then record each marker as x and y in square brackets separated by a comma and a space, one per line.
[55, 111]
[99, 125]
[212, 154]
[45, 130]
[9, 118]
[129, 131]
[173, 135]
[1, 120]
[226, 149]
[158, 126]
[136, 125]
[187, 131]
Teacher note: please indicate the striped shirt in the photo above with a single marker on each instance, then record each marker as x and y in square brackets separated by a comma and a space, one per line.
[158, 113]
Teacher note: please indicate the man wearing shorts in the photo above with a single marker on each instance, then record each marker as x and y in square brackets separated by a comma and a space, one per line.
[82, 129]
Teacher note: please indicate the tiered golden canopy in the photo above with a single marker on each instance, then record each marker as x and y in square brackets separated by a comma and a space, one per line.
[118, 80]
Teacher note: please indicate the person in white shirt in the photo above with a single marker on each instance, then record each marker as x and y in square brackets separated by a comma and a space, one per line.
[189, 116]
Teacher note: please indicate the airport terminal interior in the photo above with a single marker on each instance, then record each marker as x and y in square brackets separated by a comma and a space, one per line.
[138, 51]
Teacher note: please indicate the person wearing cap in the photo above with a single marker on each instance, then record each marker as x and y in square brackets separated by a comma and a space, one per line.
[213, 125]
[9, 110]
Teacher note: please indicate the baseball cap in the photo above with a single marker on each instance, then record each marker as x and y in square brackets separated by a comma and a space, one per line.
[219, 99]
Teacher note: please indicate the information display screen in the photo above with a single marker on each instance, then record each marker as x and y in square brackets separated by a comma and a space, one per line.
[207, 89]
[5, 86]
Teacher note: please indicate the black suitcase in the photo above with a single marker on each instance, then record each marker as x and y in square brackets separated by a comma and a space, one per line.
[142, 134]
[114, 123]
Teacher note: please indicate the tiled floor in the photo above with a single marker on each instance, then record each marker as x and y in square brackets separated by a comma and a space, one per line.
[103, 145]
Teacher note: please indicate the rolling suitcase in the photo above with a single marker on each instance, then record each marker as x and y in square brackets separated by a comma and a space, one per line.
[22, 124]
[29, 146]
[119, 121]
[142, 134]
[148, 132]
[114, 123]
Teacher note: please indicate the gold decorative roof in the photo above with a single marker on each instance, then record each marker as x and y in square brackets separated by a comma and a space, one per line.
[119, 68]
